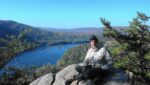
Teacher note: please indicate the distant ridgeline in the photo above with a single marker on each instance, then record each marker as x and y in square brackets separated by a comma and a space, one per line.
[37, 35]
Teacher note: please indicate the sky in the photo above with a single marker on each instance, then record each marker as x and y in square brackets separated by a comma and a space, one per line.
[72, 13]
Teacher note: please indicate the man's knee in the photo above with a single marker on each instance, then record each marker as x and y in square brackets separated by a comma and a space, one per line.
[79, 69]
[88, 74]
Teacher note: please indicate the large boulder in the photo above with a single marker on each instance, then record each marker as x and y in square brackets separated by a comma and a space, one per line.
[118, 78]
[64, 74]
[44, 80]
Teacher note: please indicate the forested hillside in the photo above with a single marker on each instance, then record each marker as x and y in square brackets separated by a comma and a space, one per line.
[8, 28]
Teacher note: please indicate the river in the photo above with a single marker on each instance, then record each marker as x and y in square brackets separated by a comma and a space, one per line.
[41, 56]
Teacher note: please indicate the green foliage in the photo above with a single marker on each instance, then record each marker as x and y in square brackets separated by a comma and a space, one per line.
[117, 48]
[147, 56]
[24, 75]
[43, 70]
[16, 76]
[73, 55]
[131, 46]
[13, 45]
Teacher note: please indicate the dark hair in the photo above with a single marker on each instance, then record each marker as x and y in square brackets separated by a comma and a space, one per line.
[93, 37]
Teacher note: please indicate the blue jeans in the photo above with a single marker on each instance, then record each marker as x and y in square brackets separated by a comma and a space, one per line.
[89, 72]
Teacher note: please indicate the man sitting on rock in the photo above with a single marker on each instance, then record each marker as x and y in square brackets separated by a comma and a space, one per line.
[95, 65]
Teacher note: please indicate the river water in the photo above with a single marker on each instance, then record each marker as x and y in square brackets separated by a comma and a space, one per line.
[41, 56]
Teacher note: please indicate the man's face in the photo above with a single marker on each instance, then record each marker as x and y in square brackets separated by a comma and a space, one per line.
[93, 43]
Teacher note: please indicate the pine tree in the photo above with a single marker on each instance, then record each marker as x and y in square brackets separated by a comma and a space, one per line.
[131, 46]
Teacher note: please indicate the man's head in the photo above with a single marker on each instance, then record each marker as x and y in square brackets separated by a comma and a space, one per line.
[94, 41]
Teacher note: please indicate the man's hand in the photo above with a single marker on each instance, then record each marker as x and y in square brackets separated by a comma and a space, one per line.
[83, 64]
[105, 67]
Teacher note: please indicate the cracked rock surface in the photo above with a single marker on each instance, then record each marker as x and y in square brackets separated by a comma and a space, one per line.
[44, 80]
[118, 78]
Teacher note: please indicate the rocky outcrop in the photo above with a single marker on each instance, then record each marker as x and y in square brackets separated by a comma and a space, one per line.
[66, 73]
[118, 78]
[44, 80]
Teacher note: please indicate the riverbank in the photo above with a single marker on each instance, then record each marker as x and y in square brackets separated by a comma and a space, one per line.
[38, 46]
[42, 55]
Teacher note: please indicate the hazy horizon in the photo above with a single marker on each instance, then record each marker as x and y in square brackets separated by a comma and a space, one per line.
[69, 14]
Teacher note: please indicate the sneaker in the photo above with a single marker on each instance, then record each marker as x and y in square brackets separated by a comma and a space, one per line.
[68, 81]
